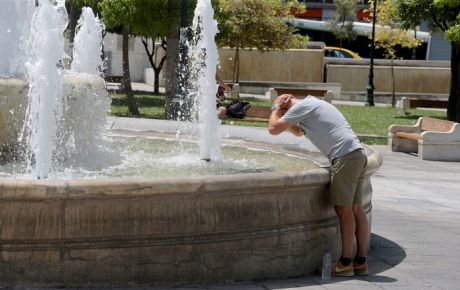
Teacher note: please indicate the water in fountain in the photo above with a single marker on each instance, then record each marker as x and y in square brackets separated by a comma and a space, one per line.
[87, 57]
[45, 82]
[66, 110]
[82, 133]
[15, 18]
[73, 149]
[205, 59]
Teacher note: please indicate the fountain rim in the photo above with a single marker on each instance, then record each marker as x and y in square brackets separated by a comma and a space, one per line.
[84, 188]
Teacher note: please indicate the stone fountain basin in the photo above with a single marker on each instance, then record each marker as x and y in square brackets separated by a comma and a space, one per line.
[119, 232]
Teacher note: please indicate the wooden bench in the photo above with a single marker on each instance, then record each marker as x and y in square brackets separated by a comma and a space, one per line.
[262, 113]
[411, 103]
[300, 93]
[431, 139]
[235, 92]
[255, 114]
[258, 114]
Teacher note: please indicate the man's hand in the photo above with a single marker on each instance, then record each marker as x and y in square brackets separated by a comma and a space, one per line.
[276, 124]
[282, 101]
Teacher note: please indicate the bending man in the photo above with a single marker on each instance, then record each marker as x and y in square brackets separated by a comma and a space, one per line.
[328, 130]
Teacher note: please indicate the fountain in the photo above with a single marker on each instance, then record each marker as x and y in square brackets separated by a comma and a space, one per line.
[121, 230]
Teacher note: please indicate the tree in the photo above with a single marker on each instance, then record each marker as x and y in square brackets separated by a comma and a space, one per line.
[445, 16]
[120, 15]
[150, 19]
[341, 23]
[260, 24]
[152, 49]
[390, 34]
[158, 19]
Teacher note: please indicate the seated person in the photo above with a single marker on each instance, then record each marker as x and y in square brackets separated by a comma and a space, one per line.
[221, 90]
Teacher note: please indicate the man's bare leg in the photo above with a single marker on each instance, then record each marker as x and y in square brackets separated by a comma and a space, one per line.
[362, 229]
[347, 228]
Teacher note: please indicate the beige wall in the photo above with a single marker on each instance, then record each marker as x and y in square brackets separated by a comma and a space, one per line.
[354, 78]
[306, 65]
[294, 65]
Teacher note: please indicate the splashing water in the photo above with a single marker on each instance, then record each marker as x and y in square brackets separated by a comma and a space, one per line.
[45, 81]
[205, 57]
[15, 18]
[87, 56]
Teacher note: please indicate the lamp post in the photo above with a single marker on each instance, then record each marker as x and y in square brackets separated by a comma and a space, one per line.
[370, 86]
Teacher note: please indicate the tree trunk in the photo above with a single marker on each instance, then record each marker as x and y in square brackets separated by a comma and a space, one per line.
[234, 65]
[74, 14]
[453, 107]
[156, 81]
[393, 89]
[126, 81]
[237, 64]
[156, 69]
[172, 57]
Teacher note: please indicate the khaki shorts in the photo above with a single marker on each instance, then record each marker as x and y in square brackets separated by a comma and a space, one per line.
[347, 174]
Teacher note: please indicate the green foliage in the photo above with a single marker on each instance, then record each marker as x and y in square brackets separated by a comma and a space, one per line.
[260, 24]
[341, 23]
[453, 32]
[442, 15]
[391, 32]
[445, 16]
[150, 106]
[146, 18]
[82, 3]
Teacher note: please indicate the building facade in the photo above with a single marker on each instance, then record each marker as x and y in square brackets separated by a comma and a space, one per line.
[321, 10]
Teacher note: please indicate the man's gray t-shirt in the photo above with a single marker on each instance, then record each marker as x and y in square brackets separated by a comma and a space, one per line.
[325, 126]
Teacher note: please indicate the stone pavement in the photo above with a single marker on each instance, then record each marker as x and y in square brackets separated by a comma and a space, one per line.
[415, 240]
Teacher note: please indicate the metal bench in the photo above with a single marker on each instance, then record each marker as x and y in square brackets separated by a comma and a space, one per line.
[430, 138]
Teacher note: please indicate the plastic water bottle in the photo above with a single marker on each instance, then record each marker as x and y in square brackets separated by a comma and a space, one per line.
[326, 272]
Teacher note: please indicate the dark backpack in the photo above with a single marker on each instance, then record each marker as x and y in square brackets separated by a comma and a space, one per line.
[237, 109]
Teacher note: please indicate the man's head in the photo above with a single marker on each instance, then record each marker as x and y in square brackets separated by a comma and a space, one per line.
[285, 102]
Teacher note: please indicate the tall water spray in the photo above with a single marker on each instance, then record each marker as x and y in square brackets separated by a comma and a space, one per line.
[205, 57]
[45, 82]
[15, 18]
[85, 113]
[87, 48]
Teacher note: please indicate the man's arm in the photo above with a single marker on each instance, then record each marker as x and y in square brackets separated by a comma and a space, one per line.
[295, 130]
[276, 124]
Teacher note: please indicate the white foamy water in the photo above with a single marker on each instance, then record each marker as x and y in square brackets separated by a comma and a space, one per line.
[205, 59]
[15, 18]
[45, 82]
[87, 51]
[144, 157]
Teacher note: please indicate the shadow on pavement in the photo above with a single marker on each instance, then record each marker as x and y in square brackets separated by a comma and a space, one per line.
[386, 251]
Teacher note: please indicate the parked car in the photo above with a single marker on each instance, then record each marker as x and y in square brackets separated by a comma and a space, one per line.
[332, 51]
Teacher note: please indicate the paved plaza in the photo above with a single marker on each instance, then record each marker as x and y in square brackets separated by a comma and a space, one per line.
[415, 240]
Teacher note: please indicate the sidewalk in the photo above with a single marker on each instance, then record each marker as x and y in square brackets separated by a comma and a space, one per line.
[415, 240]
